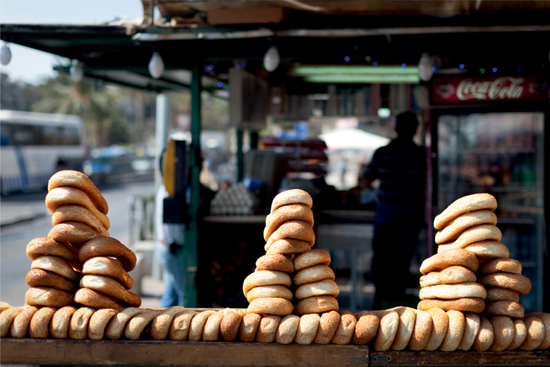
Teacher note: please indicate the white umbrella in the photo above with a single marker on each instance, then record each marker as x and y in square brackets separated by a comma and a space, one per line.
[353, 139]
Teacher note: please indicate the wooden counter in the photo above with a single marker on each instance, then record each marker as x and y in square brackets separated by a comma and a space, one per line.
[168, 353]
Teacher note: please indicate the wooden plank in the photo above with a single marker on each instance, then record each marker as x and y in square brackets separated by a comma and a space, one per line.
[246, 16]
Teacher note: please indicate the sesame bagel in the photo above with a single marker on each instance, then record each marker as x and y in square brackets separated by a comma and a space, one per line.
[73, 196]
[20, 324]
[503, 328]
[116, 326]
[40, 321]
[56, 265]
[46, 296]
[294, 229]
[75, 233]
[505, 308]
[407, 318]
[452, 291]
[463, 205]
[505, 265]
[307, 329]
[346, 328]
[535, 333]
[472, 323]
[288, 327]
[269, 291]
[440, 321]
[43, 246]
[286, 213]
[482, 232]
[294, 196]
[449, 258]
[317, 304]
[108, 246]
[485, 336]
[313, 274]
[6, 319]
[82, 182]
[423, 326]
[78, 327]
[520, 333]
[545, 318]
[515, 282]
[475, 305]
[487, 249]
[271, 306]
[229, 327]
[501, 294]
[387, 330]
[179, 329]
[451, 275]
[365, 329]
[311, 258]
[463, 222]
[89, 297]
[288, 246]
[455, 332]
[77, 213]
[275, 262]
[263, 278]
[108, 266]
[325, 287]
[138, 323]
[98, 322]
[59, 325]
[110, 287]
[43, 278]
[249, 327]
[268, 329]
[328, 325]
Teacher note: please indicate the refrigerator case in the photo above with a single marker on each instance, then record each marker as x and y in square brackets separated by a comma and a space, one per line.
[501, 154]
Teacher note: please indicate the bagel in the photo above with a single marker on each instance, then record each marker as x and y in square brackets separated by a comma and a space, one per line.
[450, 275]
[387, 331]
[545, 318]
[91, 298]
[345, 330]
[135, 327]
[328, 325]
[471, 328]
[440, 321]
[20, 324]
[249, 327]
[449, 258]
[40, 322]
[483, 232]
[317, 304]
[505, 265]
[487, 249]
[269, 291]
[407, 317]
[268, 329]
[43, 278]
[313, 274]
[452, 291]
[77, 213]
[108, 266]
[288, 246]
[422, 331]
[463, 205]
[475, 305]
[80, 181]
[4, 306]
[110, 287]
[505, 308]
[485, 336]
[515, 282]
[73, 196]
[294, 196]
[286, 213]
[455, 228]
[503, 328]
[179, 329]
[6, 319]
[211, 331]
[108, 246]
[365, 328]
[78, 327]
[46, 296]
[263, 278]
[520, 333]
[271, 306]
[98, 322]
[455, 332]
[116, 326]
[197, 325]
[275, 263]
[287, 329]
[325, 287]
[293, 229]
[307, 329]
[229, 327]
[535, 333]
[75, 233]
[501, 294]
[43, 246]
[55, 265]
[161, 324]
[59, 326]
[311, 258]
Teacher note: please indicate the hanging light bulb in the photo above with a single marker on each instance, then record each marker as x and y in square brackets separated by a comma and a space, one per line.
[425, 67]
[5, 54]
[156, 65]
[76, 71]
[271, 59]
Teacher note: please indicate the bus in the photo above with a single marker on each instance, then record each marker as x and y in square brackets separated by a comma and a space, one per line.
[33, 146]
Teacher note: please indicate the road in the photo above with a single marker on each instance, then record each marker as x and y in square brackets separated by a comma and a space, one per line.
[15, 264]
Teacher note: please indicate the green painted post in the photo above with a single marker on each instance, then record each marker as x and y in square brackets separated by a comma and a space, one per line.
[240, 155]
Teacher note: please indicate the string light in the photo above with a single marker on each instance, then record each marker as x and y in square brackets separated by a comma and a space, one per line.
[367, 58]
[403, 65]
[482, 71]
[374, 63]
[425, 67]
[347, 58]
[5, 54]
[76, 71]
[156, 65]
[518, 69]
[220, 84]
[271, 59]
[495, 70]
[461, 66]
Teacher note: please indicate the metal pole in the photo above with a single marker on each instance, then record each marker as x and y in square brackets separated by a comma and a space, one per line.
[240, 155]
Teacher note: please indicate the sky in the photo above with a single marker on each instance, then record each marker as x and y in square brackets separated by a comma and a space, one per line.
[33, 66]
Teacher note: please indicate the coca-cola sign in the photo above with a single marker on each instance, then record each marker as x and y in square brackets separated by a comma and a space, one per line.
[471, 89]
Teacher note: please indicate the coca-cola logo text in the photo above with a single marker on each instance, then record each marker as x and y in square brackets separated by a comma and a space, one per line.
[500, 88]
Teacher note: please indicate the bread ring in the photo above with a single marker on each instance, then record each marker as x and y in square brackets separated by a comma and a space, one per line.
[307, 329]
[387, 330]
[43, 246]
[108, 266]
[271, 306]
[465, 221]
[43, 278]
[452, 291]
[20, 325]
[451, 275]
[275, 263]
[269, 291]
[284, 214]
[449, 258]
[535, 333]
[134, 328]
[483, 232]
[73, 232]
[46, 296]
[229, 327]
[293, 229]
[116, 326]
[407, 318]
[6, 319]
[313, 274]
[268, 329]
[440, 321]
[501, 294]
[545, 318]
[211, 330]
[503, 328]
[325, 287]
[82, 182]
[249, 327]
[98, 322]
[471, 328]
[108, 246]
[56, 265]
[463, 205]
[288, 327]
[78, 327]
[294, 196]
[346, 329]
[520, 333]
[475, 305]
[455, 332]
[329, 323]
[265, 277]
[365, 329]
[515, 282]
[488, 249]
[422, 332]
[505, 265]
[161, 324]
[505, 308]
[59, 326]
[288, 246]
[197, 325]
[316, 304]
[4, 306]
[73, 196]
[91, 298]
[311, 258]
[485, 336]
[110, 287]
[77, 213]
[179, 328]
